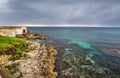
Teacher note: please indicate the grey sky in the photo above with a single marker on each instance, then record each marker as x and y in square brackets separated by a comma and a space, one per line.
[60, 12]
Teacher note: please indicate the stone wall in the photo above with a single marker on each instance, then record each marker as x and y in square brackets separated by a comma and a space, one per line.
[7, 32]
[12, 32]
[18, 31]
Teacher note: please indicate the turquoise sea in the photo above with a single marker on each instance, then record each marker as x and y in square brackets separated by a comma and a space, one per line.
[85, 52]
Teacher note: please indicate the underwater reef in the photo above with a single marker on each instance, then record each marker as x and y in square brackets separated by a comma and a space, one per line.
[83, 61]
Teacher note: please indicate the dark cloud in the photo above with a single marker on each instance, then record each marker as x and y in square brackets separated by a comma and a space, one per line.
[102, 12]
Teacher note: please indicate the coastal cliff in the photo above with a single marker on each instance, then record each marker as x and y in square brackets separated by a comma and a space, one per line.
[36, 62]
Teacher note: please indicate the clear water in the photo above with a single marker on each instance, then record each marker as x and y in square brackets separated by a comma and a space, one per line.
[89, 39]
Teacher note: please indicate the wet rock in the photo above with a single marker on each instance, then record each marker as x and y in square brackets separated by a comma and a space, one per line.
[35, 36]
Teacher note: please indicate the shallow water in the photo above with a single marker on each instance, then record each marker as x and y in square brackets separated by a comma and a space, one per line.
[98, 44]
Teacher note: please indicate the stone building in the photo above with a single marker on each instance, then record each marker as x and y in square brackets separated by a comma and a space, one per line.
[12, 31]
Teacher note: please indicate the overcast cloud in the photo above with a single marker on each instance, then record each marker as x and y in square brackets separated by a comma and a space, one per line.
[51, 12]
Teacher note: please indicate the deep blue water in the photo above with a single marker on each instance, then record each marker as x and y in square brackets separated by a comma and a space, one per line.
[104, 42]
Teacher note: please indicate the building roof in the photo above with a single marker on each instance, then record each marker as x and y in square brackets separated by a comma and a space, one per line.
[10, 27]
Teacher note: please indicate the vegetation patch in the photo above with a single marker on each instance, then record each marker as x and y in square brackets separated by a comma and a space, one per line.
[12, 40]
[12, 46]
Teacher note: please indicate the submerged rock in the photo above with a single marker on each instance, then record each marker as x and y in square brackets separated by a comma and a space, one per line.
[74, 61]
[85, 62]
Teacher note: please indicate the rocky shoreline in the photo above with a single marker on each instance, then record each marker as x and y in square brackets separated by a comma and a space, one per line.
[37, 62]
[41, 60]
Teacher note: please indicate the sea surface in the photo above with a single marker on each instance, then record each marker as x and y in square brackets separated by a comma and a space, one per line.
[85, 50]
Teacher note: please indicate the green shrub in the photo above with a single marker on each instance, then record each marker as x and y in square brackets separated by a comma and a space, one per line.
[12, 40]
[14, 46]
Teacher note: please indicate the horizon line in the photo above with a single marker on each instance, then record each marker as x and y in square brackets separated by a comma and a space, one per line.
[67, 25]
[61, 25]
